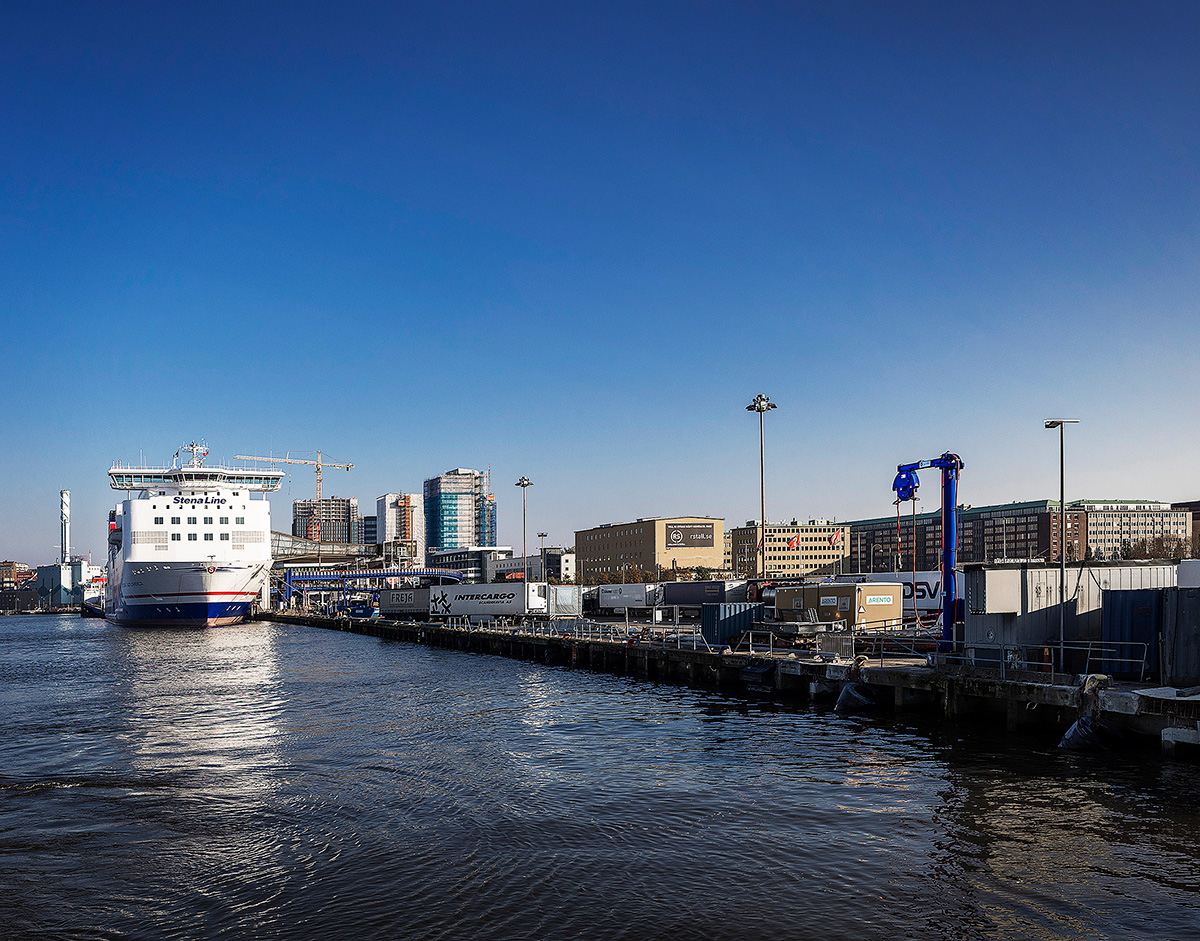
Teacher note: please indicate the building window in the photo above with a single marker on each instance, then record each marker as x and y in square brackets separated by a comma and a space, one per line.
[191, 537]
[208, 537]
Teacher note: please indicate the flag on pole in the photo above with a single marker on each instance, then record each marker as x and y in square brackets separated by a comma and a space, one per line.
[793, 542]
[835, 539]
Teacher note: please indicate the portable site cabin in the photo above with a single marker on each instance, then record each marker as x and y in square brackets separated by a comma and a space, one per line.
[864, 606]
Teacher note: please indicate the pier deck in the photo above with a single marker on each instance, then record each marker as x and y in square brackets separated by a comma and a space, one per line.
[896, 681]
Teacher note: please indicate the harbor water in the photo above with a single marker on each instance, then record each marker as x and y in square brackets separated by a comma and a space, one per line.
[274, 781]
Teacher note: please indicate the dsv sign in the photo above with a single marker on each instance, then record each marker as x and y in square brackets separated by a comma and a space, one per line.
[927, 589]
[924, 591]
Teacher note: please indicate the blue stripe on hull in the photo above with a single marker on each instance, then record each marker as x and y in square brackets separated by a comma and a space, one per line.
[186, 614]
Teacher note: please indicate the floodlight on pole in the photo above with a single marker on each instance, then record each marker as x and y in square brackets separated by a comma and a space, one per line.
[1061, 425]
[524, 483]
[762, 404]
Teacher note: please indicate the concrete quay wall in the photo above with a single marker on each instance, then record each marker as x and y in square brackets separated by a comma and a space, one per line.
[959, 694]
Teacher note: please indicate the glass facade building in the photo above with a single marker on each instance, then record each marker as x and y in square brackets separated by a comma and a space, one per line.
[459, 510]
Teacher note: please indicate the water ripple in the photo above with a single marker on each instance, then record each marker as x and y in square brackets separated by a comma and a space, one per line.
[278, 782]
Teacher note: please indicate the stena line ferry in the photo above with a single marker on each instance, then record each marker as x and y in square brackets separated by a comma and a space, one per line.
[193, 548]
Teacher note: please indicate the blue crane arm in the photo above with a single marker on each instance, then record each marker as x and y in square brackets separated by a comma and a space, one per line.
[905, 485]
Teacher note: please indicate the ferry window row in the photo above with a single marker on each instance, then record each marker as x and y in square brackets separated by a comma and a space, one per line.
[208, 537]
[238, 521]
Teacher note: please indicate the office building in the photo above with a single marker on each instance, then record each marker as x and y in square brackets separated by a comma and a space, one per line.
[649, 545]
[1193, 507]
[560, 565]
[12, 574]
[472, 561]
[460, 510]
[791, 549]
[1118, 529]
[1098, 529]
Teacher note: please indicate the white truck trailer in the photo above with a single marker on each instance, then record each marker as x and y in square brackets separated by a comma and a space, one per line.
[502, 600]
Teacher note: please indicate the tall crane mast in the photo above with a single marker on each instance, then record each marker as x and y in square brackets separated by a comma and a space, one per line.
[318, 463]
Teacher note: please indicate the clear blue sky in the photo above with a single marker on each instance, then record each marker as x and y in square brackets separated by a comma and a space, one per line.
[574, 240]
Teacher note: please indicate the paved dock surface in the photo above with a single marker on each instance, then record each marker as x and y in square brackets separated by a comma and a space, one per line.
[962, 692]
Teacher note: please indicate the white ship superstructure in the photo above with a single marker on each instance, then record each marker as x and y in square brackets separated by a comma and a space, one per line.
[193, 548]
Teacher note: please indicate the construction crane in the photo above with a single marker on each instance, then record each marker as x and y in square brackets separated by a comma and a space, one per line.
[318, 463]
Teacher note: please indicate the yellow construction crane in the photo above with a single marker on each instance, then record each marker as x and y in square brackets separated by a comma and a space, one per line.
[318, 463]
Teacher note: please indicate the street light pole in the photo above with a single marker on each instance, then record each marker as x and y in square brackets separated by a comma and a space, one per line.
[524, 483]
[762, 404]
[1061, 425]
[542, 577]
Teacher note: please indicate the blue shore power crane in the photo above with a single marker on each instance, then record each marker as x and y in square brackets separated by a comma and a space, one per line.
[905, 485]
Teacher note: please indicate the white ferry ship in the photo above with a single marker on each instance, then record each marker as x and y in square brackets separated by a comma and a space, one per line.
[193, 548]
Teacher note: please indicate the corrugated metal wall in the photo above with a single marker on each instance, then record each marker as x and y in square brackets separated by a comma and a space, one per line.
[722, 623]
[1181, 637]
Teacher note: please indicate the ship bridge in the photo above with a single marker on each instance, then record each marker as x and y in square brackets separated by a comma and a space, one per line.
[175, 478]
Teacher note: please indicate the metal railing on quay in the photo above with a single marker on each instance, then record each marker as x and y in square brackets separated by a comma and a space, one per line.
[1013, 661]
[880, 645]
[766, 643]
[667, 636]
[835, 645]
[676, 638]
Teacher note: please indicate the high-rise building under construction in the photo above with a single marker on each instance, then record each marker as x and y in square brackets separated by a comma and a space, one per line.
[330, 519]
[400, 517]
[460, 510]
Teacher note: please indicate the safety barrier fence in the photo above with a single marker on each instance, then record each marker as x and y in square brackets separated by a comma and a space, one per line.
[1042, 663]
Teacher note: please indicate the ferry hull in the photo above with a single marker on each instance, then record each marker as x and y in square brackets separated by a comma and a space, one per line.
[184, 595]
[190, 614]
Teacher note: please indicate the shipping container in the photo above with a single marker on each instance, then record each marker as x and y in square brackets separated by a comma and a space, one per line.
[861, 605]
[691, 594]
[1130, 625]
[404, 603]
[1181, 637]
[483, 601]
[564, 601]
[616, 598]
[723, 624]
